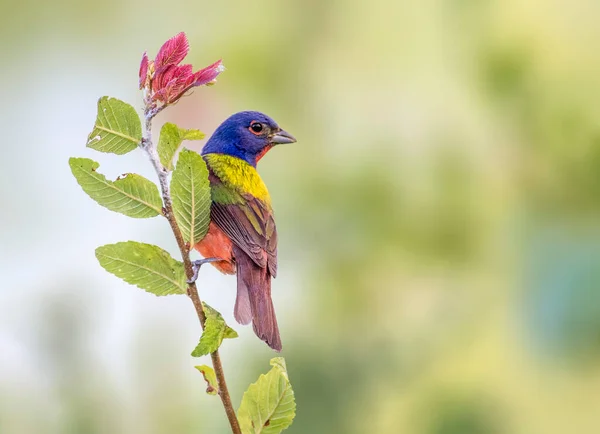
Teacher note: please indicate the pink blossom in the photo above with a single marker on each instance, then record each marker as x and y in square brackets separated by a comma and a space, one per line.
[165, 81]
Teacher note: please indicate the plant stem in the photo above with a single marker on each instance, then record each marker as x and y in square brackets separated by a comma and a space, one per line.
[192, 290]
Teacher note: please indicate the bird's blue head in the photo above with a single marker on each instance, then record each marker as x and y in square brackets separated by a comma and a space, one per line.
[246, 135]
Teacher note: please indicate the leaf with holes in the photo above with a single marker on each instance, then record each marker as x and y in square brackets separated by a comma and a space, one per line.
[212, 387]
[170, 139]
[147, 266]
[132, 195]
[268, 406]
[190, 192]
[215, 330]
[117, 130]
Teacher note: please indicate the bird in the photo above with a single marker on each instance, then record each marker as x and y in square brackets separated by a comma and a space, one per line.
[242, 237]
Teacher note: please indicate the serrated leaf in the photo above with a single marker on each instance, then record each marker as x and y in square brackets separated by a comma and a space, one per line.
[211, 338]
[133, 195]
[117, 129]
[147, 266]
[268, 406]
[170, 139]
[212, 387]
[215, 330]
[190, 192]
[209, 311]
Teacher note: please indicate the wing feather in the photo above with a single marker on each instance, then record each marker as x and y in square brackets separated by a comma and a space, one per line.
[249, 223]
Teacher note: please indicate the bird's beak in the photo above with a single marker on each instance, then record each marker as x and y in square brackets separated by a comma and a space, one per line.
[281, 137]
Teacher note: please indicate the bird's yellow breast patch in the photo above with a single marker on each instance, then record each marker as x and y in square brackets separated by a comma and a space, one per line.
[238, 175]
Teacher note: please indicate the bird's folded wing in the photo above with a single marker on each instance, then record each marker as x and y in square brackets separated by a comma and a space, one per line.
[251, 226]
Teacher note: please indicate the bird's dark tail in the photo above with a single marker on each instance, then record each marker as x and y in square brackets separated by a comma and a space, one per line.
[253, 302]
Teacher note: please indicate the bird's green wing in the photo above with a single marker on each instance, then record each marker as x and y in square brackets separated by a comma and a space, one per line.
[248, 221]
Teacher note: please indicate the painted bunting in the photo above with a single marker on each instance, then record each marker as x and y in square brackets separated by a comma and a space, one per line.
[242, 238]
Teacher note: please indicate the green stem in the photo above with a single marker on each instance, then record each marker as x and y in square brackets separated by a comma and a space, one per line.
[192, 290]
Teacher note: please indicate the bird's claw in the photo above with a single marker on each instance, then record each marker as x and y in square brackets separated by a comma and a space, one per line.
[196, 267]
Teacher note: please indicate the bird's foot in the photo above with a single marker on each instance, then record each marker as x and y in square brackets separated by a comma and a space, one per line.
[197, 264]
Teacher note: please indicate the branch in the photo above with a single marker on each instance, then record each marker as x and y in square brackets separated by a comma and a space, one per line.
[192, 291]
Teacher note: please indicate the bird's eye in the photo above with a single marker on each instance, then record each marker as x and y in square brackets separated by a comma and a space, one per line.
[256, 127]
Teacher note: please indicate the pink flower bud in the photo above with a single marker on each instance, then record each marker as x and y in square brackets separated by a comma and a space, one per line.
[208, 74]
[173, 51]
[143, 70]
[165, 80]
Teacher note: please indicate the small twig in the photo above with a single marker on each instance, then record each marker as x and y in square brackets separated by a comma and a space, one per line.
[192, 290]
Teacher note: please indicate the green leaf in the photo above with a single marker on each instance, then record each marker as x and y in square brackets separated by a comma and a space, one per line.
[212, 387]
[210, 312]
[230, 333]
[170, 139]
[215, 330]
[279, 362]
[144, 265]
[133, 195]
[190, 192]
[268, 406]
[117, 129]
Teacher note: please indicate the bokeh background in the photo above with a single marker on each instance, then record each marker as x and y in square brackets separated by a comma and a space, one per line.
[438, 217]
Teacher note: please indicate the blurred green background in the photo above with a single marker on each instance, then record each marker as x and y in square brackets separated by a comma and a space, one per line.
[438, 217]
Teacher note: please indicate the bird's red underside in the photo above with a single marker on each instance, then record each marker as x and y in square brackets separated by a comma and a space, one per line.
[217, 245]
